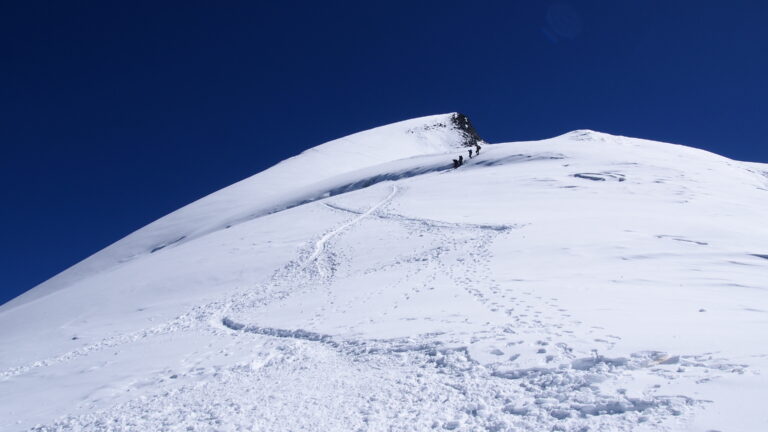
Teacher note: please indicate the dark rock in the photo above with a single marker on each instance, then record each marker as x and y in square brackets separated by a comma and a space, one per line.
[468, 132]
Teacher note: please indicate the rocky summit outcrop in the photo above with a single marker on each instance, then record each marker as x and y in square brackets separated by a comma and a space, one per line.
[470, 135]
[457, 125]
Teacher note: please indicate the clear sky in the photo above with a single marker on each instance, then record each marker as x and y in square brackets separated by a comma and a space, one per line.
[113, 114]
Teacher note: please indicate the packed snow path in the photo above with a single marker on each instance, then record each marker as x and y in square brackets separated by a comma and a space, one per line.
[584, 283]
[320, 245]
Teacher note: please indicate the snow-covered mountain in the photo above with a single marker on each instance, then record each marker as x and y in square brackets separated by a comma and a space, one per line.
[583, 282]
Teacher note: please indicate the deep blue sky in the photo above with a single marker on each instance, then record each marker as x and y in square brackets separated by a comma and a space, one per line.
[113, 114]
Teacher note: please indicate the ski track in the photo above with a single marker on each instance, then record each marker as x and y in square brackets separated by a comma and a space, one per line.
[428, 381]
[320, 244]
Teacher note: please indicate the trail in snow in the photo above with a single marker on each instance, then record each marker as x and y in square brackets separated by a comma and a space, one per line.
[427, 222]
[320, 245]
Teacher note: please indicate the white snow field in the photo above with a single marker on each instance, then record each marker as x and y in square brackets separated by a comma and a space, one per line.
[586, 282]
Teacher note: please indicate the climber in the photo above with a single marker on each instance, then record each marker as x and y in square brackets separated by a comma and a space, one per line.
[470, 153]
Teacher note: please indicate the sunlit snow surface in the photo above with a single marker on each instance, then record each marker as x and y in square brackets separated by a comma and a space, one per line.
[583, 283]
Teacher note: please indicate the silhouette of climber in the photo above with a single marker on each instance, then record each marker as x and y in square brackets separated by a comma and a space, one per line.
[470, 153]
[455, 163]
[461, 160]
[477, 147]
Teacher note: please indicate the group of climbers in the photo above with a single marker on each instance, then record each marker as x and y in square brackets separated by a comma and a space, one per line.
[460, 161]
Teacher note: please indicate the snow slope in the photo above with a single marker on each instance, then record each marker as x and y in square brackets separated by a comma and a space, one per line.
[584, 282]
[289, 183]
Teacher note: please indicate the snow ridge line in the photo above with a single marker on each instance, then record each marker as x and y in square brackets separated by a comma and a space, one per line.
[320, 244]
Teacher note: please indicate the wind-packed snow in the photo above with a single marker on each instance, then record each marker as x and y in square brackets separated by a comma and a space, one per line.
[586, 282]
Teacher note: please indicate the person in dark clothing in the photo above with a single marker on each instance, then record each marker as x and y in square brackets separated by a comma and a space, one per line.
[461, 160]
[455, 163]
[477, 149]
[470, 153]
